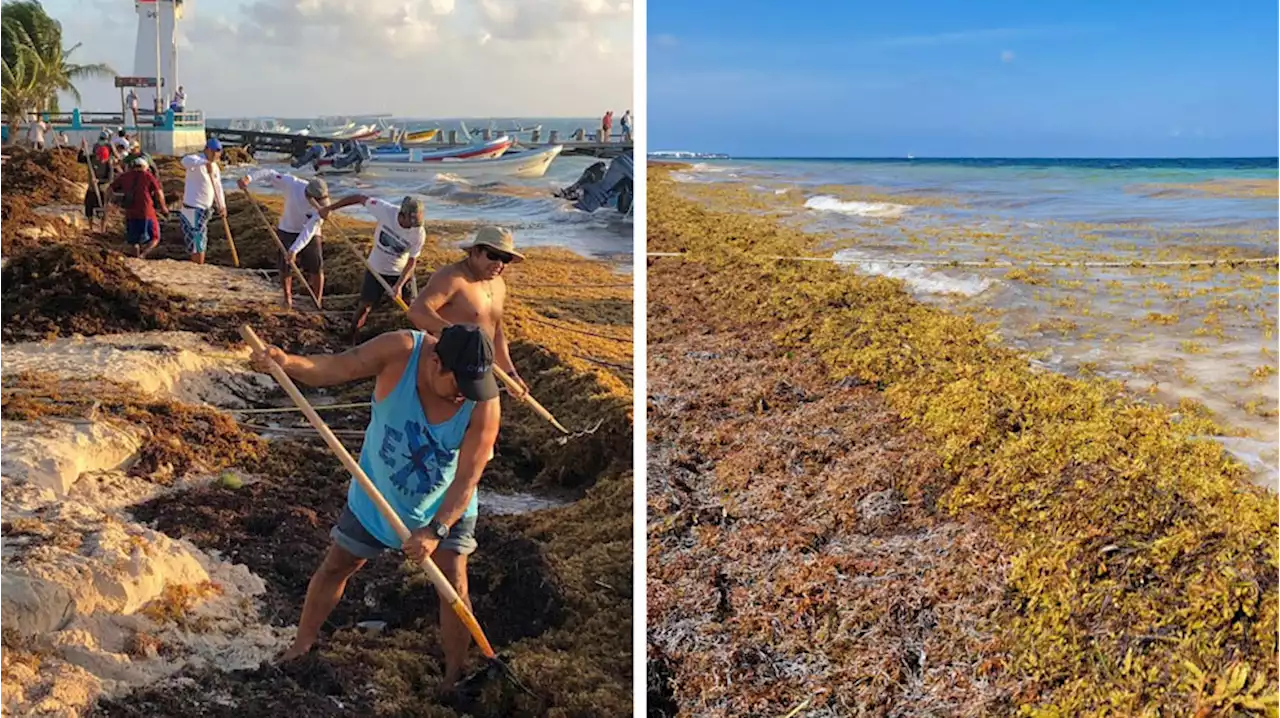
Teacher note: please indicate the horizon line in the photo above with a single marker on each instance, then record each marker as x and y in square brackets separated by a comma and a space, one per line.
[976, 157]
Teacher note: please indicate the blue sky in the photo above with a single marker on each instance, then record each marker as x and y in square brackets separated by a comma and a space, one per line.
[964, 79]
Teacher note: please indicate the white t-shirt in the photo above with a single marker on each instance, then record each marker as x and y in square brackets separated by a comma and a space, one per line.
[297, 210]
[393, 245]
[199, 191]
[36, 133]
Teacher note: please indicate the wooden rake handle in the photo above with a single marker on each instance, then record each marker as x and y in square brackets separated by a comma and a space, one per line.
[226, 226]
[443, 587]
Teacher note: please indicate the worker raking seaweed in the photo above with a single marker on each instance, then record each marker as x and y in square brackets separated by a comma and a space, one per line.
[139, 193]
[472, 291]
[397, 241]
[299, 228]
[202, 194]
[435, 417]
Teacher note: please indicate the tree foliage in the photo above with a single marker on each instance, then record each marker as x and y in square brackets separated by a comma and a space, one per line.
[35, 65]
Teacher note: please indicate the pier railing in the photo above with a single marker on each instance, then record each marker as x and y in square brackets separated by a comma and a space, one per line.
[76, 120]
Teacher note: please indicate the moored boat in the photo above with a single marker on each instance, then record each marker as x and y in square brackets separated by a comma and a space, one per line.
[529, 164]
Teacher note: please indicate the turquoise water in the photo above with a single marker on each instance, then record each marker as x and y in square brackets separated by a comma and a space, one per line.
[524, 205]
[1169, 333]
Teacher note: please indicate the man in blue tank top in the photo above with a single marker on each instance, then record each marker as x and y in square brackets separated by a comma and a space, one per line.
[435, 419]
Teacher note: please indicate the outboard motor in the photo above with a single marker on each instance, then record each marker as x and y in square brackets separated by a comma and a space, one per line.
[354, 153]
[618, 181]
[590, 175]
[313, 153]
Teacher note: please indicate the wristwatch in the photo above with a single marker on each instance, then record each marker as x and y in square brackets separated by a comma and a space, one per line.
[440, 530]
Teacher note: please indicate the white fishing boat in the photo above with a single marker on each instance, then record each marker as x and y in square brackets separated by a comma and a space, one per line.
[531, 164]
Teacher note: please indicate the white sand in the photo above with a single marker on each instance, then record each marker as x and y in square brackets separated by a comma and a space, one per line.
[78, 571]
[170, 364]
[232, 288]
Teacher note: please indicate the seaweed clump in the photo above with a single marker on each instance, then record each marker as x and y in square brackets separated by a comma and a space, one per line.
[64, 289]
[1143, 565]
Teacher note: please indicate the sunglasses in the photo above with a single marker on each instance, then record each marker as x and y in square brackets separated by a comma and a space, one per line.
[498, 256]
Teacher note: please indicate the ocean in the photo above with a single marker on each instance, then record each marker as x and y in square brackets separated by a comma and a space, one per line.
[1170, 332]
[526, 206]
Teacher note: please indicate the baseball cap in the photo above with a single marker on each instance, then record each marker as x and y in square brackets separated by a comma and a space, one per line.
[412, 206]
[317, 189]
[466, 351]
[213, 144]
[140, 161]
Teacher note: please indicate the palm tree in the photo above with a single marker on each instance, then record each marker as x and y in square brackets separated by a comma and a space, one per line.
[35, 65]
[21, 91]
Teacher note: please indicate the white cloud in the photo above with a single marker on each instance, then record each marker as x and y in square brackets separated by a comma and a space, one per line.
[298, 58]
[1007, 56]
[983, 35]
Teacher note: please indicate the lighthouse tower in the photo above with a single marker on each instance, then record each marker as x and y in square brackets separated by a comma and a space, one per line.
[156, 53]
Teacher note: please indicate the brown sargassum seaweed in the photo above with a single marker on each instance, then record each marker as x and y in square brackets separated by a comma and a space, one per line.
[552, 588]
[866, 505]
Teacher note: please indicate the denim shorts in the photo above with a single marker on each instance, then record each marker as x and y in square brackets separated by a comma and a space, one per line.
[351, 535]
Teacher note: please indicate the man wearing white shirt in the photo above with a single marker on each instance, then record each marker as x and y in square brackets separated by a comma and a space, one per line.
[35, 133]
[120, 144]
[397, 241]
[203, 192]
[299, 227]
[132, 100]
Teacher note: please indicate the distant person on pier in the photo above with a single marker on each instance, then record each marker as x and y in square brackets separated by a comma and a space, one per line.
[299, 227]
[202, 193]
[35, 133]
[139, 192]
[472, 291]
[131, 100]
[626, 126]
[606, 125]
[180, 100]
[397, 241]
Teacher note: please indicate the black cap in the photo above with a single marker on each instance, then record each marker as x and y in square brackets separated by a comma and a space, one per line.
[466, 351]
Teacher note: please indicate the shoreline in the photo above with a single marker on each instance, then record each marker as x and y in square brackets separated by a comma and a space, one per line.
[161, 403]
[1082, 489]
[1182, 311]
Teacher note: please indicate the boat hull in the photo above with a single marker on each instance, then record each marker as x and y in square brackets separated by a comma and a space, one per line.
[524, 165]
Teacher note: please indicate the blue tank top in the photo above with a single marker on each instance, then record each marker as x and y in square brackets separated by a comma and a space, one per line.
[411, 461]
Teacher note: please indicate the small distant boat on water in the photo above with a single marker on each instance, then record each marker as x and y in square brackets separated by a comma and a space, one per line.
[483, 149]
[483, 161]
[417, 137]
[530, 164]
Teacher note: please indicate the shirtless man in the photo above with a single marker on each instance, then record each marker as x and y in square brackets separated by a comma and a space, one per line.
[472, 291]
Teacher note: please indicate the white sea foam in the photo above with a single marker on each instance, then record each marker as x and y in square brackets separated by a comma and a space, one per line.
[881, 210]
[919, 280]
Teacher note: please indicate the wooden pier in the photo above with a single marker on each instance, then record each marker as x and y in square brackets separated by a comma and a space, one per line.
[577, 143]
